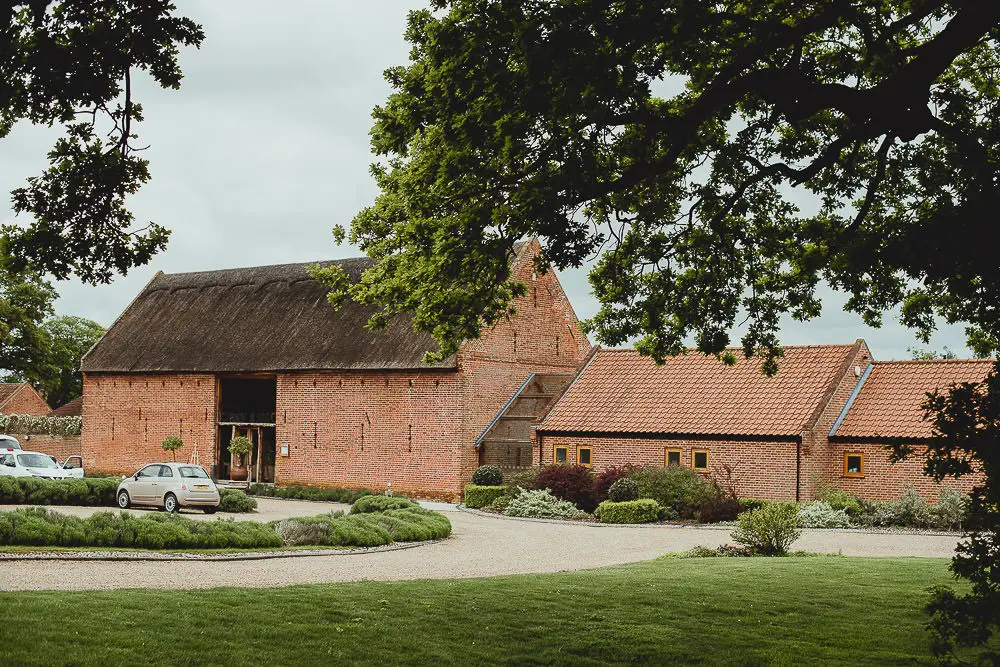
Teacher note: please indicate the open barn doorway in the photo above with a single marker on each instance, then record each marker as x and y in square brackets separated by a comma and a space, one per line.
[247, 407]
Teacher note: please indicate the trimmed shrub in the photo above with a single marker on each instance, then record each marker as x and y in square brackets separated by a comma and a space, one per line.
[819, 514]
[769, 530]
[236, 502]
[487, 476]
[951, 510]
[370, 504]
[624, 490]
[608, 476]
[89, 492]
[571, 483]
[477, 496]
[412, 524]
[318, 493]
[39, 527]
[644, 510]
[677, 488]
[541, 504]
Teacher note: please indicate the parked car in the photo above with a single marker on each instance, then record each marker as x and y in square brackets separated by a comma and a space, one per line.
[72, 465]
[9, 443]
[170, 486]
[19, 463]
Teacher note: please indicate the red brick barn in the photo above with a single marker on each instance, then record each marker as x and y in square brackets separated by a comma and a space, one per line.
[259, 352]
[885, 409]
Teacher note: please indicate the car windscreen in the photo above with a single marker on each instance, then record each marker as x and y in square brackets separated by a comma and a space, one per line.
[9, 443]
[35, 461]
[193, 471]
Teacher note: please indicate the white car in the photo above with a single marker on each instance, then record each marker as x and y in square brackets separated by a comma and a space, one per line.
[8, 443]
[34, 464]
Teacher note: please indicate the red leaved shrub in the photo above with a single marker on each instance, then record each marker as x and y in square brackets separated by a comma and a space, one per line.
[572, 483]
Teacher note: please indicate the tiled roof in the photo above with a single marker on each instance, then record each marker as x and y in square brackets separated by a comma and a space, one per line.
[72, 408]
[621, 391]
[888, 405]
[7, 390]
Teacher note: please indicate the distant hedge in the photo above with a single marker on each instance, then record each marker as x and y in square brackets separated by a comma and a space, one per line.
[477, 496]
[90, 492]
[330, 495]
[643, 510]
[32, 425]
[365, 529]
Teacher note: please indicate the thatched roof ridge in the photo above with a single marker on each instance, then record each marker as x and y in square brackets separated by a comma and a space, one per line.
[263, 318]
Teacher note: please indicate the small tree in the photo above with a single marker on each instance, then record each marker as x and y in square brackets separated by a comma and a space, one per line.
[769, 530]
[171, 444]
[240, 446]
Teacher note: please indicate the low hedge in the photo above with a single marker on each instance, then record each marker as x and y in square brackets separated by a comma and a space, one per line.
[37, 526]
[364, 529]
[370, 504]
[644, 510]
[236, 502]
[477, 496]
[91, 492]
[324, 494]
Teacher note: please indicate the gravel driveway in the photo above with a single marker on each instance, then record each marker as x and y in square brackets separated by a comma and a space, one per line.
[480, 546]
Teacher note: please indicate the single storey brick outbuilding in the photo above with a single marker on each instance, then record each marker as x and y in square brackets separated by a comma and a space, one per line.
[20, 398]
[823, 421]
[259, 352]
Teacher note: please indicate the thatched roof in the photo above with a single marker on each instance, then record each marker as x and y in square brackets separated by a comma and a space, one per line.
[265, 318]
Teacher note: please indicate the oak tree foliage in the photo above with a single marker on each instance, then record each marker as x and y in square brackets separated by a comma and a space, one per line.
[676, 139]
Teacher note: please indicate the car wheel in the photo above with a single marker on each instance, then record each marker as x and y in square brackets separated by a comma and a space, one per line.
[123, 499]
[170, 503]
[211, 510]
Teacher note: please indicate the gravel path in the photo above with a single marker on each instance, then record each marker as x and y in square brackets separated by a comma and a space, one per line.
[480, 546]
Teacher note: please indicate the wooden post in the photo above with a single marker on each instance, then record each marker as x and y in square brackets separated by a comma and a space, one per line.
[260, 452]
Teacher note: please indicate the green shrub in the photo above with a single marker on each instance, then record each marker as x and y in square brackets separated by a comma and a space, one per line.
[411, 524]
[951, 510]
[380, 504]
[525, 479]
[171, 444]
[317, 493]
[768, 530]
[644, 510]
[675, 487]
[500, 504]
[541, 504]
[477, 496]
[35, 425]
[90, 492]
[39, 527]
[819, 514]
[487, 476]
[623, 490]
[236, 502]
[747, 504]
[911, 510]
[840, 500]
[608, 476]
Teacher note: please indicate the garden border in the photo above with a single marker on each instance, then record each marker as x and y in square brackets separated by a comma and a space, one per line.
[704, 526]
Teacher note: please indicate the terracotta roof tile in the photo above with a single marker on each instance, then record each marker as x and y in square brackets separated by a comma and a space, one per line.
[73, 408]
[621, 391]
[888, 405]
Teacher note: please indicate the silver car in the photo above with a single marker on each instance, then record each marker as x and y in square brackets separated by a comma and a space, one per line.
[170, 486]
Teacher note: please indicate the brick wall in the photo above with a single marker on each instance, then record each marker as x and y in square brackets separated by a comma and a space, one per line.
[887, 481]
[363, 430]
[59, 446]
[26, 401]
[760, 469]
[126, 417]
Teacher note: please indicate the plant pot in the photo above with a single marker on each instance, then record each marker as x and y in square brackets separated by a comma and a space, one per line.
[238, 473]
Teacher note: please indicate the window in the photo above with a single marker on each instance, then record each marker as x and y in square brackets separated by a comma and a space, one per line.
[672, 457]
[560, 455]
[583, 456]
[165, 471]
[699, 460]
[854, 464]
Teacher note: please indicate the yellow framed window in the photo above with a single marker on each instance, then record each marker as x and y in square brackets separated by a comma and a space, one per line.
[583, 456]
[671, 456]
[560, 455]
[854, 464]
[699, 460]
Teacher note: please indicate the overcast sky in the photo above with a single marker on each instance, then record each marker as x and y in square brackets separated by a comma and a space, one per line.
[265, 147]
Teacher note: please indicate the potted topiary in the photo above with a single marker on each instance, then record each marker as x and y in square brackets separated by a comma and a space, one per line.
[171, 444]
[239, 447]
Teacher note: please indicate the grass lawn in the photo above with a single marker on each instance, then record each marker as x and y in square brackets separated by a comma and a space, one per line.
[811, 610]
